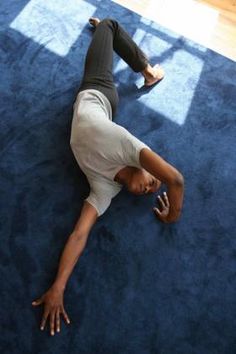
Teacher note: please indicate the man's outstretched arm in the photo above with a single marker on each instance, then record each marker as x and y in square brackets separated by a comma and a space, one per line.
[53, 298]
[75, 244]
[170, 176]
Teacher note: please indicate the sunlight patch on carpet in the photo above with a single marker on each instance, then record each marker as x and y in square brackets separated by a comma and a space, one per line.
[55, 24]
[179, 85]
[185, 76]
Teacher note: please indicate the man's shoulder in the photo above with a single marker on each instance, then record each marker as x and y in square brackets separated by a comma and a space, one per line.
[101, 193]
[102, 184]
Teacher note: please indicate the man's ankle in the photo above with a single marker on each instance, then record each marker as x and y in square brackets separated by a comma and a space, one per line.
[148, 72]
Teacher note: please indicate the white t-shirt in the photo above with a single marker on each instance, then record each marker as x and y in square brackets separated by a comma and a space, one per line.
[101, 147]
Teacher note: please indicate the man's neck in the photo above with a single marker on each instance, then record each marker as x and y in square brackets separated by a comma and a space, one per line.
[120, 177]
[124, 174]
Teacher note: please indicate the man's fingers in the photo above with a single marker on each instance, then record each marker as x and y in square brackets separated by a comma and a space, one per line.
[44, 319]
[161, 202]
[65, 316]
[37, 302]
[52, 322]
[166, 200]
[157, 211]
[58, 320]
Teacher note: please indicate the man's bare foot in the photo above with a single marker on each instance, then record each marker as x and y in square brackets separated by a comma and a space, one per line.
[94, 21]
[152, 75]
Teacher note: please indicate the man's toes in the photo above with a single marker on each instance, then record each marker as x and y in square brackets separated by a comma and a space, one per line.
[94, 21]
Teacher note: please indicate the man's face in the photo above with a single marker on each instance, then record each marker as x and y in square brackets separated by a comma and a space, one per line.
[143, 182]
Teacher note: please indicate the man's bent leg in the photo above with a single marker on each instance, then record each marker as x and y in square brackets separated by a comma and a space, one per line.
[99, 63]
[128, 50]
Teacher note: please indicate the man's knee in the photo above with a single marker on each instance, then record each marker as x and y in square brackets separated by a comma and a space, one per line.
[107, 20]
[111, 22]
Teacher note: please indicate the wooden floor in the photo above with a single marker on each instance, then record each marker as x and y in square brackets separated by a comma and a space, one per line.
[211, 23]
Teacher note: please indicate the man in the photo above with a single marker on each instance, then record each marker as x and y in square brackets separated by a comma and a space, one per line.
[108, 154]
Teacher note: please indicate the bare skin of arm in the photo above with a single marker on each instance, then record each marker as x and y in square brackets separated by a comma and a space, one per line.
[171, 177]
[53, 298]
[171, 209]
[75, 244]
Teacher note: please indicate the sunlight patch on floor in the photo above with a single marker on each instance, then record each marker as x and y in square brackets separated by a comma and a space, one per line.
[180, 80]
[178, 85]
[194, 20]
[55, 24]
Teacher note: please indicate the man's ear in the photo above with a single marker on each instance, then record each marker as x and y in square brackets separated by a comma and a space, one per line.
[159, 183]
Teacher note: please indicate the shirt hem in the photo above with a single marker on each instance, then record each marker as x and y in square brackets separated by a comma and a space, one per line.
[88, 201]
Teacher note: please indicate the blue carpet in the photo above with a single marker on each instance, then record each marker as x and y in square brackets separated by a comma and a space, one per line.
[140, 287]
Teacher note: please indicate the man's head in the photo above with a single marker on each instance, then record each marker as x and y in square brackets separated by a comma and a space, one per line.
[139, 181]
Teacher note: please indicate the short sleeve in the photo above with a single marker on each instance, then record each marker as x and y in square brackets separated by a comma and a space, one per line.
[131, 149]
[99, 202]
[101, 195]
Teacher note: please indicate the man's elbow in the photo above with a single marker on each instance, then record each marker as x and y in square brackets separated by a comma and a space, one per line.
[178, 180]
[173, 218]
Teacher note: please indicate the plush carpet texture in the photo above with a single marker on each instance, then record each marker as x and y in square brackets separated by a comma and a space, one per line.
[140, 287]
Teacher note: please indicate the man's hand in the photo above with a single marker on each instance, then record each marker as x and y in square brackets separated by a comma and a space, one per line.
[53, 307]
[163, 211]
[173, 180]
